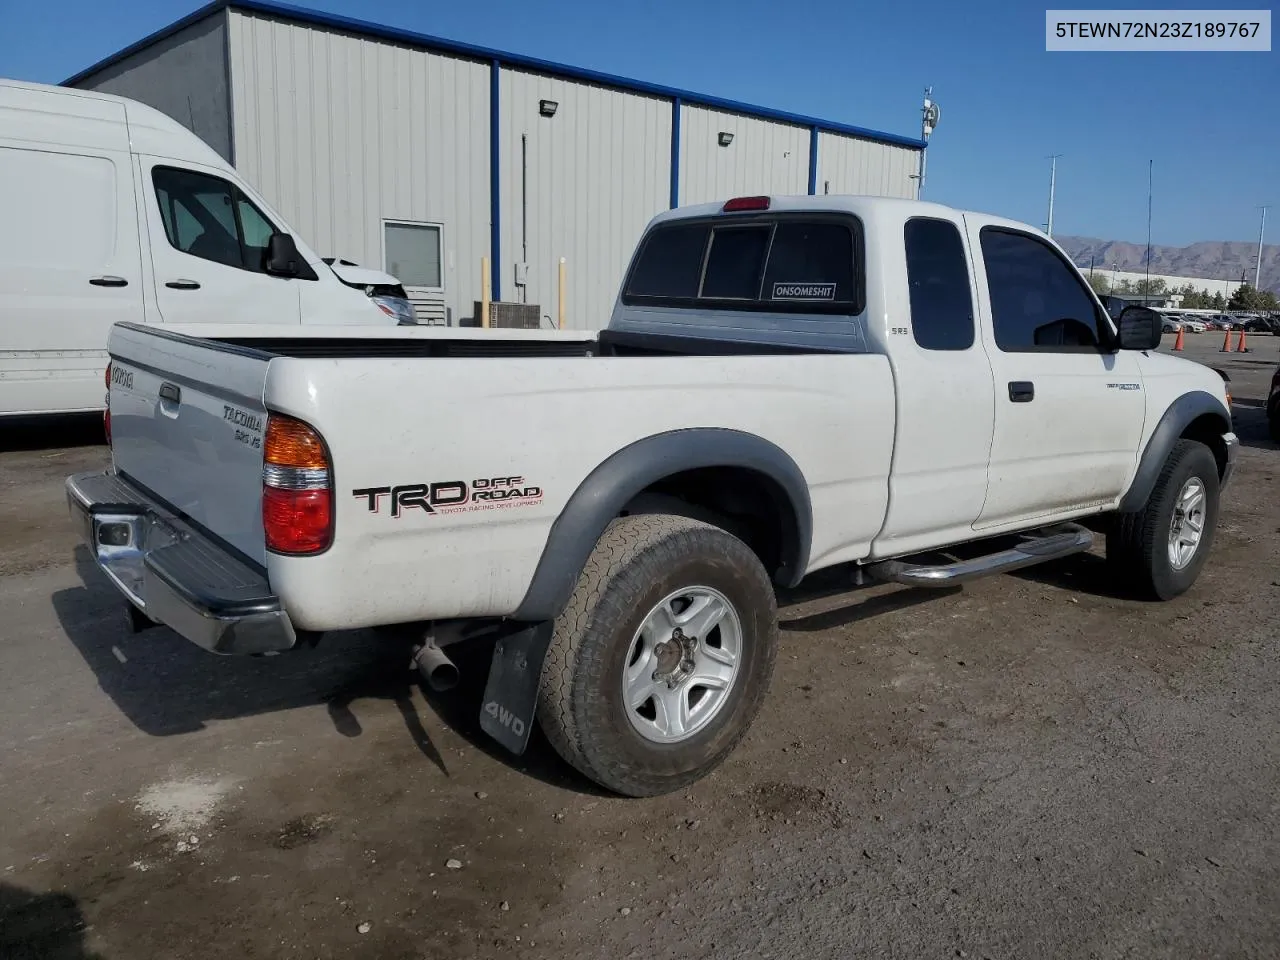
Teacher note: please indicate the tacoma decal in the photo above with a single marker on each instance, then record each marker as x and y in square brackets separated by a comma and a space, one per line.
[451, 496]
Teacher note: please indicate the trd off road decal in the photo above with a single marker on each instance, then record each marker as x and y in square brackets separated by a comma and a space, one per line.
[451, 496]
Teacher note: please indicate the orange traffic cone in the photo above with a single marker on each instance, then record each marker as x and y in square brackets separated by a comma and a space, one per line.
[1177, 344]
[1240, 347]
[1226, 342]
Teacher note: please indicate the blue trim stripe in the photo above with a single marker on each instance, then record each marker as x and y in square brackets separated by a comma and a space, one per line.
[365, 28]
[495, 177]
[813, 161]
[675, 153]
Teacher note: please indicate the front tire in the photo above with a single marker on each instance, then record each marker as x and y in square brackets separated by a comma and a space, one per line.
[1160, 549]
[662, 658]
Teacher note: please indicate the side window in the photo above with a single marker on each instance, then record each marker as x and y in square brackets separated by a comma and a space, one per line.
[411, 252]
[938, 281]
[256, 231]
[1037, 301]
[207, 217]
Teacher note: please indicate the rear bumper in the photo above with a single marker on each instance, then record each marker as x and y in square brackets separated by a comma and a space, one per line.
[174, 573]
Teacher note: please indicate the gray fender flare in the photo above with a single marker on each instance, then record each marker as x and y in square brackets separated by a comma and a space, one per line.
[1188, 407]
[615, 482]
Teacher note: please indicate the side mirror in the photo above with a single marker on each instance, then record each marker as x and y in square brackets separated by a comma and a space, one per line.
[1140, 328]
[282, 259]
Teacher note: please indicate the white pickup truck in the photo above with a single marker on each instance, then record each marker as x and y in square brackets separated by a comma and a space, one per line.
[786, 384]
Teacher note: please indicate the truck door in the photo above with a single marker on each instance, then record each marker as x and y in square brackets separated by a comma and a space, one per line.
[1069, 410]
[945, 396]
[207, 243]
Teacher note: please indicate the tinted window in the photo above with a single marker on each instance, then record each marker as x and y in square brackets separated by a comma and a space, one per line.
[938, 281]
[208, 218]
[670, 264]
[810, 261]
[735, 262]
[786, 264]
[1037, 302]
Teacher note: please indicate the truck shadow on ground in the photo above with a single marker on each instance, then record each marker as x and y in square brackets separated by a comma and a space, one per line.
[166, 686]
[41, 926]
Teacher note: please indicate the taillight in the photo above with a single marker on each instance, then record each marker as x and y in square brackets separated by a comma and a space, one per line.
[106, 409]
[297, 493]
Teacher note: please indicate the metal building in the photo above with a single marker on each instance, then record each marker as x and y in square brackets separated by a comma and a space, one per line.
[422, 156]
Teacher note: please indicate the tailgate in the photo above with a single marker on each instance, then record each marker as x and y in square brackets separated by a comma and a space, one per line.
[187, 423]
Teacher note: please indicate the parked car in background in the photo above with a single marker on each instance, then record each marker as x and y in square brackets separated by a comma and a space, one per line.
[111, 211]
[1194, 324]
[787, 384]
[1169, 325]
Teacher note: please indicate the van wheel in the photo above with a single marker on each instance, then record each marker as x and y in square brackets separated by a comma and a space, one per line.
[662, 657]
[1160, 549]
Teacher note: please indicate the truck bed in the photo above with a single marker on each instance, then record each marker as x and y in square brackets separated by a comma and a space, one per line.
[468, 409]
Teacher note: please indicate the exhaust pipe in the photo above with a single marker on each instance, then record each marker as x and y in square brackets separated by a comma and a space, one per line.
[436, 668]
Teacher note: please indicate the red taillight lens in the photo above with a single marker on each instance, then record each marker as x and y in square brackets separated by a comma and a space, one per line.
[297, 521]
[738, 204]
[297, 499]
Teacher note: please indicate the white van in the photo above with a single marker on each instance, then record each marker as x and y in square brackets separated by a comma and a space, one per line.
[110, 211]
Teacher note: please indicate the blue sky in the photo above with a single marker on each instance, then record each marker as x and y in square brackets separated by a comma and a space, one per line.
[1210, 120]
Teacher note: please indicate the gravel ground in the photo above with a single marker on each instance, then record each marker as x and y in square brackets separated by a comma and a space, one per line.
[1028, 767]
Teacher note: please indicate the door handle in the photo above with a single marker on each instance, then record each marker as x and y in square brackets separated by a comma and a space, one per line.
[170, 398]
[1022, 391]
[182, 285]
[108, 281]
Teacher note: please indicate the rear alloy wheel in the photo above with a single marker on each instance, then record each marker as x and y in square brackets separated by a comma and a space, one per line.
[662, 657]
[682, 664]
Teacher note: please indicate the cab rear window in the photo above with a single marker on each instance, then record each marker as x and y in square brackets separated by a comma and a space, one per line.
[780, 264]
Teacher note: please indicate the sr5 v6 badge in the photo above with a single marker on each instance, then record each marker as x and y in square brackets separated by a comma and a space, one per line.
[451, 496]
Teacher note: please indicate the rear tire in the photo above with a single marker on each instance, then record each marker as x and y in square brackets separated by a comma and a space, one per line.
[1151, 549]
[606, 652]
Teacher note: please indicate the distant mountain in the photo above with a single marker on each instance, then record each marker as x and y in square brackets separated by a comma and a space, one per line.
[1209, 259]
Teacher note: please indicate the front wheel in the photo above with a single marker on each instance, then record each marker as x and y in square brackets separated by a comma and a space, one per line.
[663, 656]
[1161, 548]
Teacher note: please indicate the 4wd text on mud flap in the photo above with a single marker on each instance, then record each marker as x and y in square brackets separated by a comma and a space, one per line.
[451, 496]
[505, 717]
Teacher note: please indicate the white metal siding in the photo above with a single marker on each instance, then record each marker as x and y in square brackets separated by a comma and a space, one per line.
[184, 76]
[339, 132]
[597, 172]
[851, 165]
[764, 157]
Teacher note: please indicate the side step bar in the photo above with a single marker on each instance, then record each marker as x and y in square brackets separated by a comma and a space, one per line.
[1065, 540]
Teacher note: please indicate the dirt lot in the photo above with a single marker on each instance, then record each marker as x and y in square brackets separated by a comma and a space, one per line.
[1028, 767]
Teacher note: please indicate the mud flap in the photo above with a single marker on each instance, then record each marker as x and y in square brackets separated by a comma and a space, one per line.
[511, 695]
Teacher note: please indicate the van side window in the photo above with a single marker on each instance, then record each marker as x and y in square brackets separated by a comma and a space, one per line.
[209, 218]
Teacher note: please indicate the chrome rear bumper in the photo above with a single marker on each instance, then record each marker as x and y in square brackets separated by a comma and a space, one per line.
[175, 574]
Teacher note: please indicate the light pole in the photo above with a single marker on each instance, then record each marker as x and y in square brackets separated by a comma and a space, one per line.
[1262, 228]
[1053, 179]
